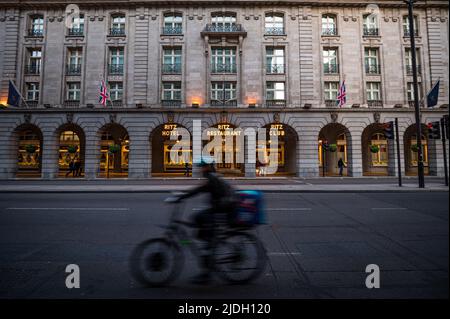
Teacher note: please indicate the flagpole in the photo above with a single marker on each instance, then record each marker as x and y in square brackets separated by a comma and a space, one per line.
[20, 94]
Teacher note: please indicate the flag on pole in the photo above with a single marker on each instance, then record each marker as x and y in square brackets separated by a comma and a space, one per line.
[103, 93]
[433, 95]
[13, 95]
[342, 95]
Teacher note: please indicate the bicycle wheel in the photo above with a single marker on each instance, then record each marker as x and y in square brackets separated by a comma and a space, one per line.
[156, 262]
[240, 258]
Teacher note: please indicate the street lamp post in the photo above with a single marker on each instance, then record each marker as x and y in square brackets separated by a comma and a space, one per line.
[420, 167]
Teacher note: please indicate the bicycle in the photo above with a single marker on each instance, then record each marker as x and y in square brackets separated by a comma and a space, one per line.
[158, 261]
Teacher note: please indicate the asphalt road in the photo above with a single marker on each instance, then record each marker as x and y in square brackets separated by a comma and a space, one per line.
[319, 246]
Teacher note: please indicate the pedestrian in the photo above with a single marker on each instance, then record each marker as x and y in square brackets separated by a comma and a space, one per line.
[71, 168]
[78, 167]
[341, 166]
[186, 169]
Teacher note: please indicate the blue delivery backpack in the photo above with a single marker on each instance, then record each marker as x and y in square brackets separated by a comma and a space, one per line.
[249, 210]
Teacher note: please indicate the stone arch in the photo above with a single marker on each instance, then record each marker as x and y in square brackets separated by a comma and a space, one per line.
[70, 136]
[410, 155]
[27, 144]
[113, 164]
[376, 163]
[338, 135]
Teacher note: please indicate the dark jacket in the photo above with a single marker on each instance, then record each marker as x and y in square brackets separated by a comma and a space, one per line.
[341, 163]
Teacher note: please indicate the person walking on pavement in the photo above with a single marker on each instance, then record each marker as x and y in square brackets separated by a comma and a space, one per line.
[71, 168]
[341, 166]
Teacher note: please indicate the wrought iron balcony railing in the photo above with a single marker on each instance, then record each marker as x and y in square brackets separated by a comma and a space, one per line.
[76, 32]
[374, 103]
[30, 103]
[370, 31]
[35, 33]
[411, 103]
[331, 68]
[72, 103]
[32, 70]
[329, 31]
[114, 103]
[373, 69]
[227, 29]
[73, 69]
[117, 32]
[115, 69]
[223, 103]
[275, 69]
[409, 70]
[171, 102]
[330, 103]
[274, 31]
[407, 33]
[223, 68]
[275, 103]
[168, 68]
[172, 30]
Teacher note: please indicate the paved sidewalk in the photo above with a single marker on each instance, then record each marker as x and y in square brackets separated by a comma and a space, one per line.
[282, 185]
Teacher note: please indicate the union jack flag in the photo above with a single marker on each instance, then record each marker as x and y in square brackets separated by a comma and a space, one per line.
[103, 93]
[342, 95]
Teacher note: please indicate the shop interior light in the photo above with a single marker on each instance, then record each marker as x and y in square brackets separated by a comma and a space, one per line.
[195, 104]
[252, 105]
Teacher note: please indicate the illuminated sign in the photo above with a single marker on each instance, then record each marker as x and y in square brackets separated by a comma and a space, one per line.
[170, 130]
[224, 130]
[276, 130]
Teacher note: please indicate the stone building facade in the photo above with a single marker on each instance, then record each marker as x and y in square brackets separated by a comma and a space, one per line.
[242, 64]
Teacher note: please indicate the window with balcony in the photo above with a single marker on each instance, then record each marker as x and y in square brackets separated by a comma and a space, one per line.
[223, 60]
[274, 60]
[331, 90]
[406, 32]
[274, 23]
[32, 91]
[34, 62]
[410, 93]
[73, 92]
[373, 92]
[171, 94]
[171, 61]
[77, 28]
[116, 61]
[370, 25]
[329, 24]
[330, 61]
[117, 25]
[36, 26]
[75, 57]
[223, 22]
[173, 23]
[371, 61]
[223, 93]
[408, 62]
[116, 92]
[275, 94]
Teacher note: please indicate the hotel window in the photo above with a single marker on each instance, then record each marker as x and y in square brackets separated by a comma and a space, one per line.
[116, 61]
[370, 25]
[408, 61]
[33, 91]
[330, 61]
[77, 27]
[171, 91]
[274, 60]
[379, 158]
[74, 61]
[331, 92]
[406, 32]
[117, 25]
[274, 23]
[223, 60]
[173, 23]
[171, 60]
[329, 24]
[410, 91]
[34, 62]
[275, 91]
[36, 25]
[73, 91]
[373, 91]
[371, 61]
[225, 22]
[116, 91]
[223, 93]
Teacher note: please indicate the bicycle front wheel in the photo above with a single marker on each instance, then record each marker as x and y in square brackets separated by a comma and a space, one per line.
[156, 262]
[240, 258]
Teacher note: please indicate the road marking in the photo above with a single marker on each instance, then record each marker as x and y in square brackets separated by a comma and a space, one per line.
[290, 209]
[388, 208]
[283, 254]
[70, 208]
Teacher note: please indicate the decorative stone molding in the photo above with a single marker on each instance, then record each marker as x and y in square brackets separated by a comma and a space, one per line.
[170, 117]
[69, 117]
[276, 117]
[223, 117]
[376, 117]
[334, 117]
[27, 118]
[113, 118]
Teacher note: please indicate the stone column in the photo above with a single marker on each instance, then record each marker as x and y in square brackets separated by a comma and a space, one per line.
[92, 154]
[139, 158]
[355, 165]
[49, 154]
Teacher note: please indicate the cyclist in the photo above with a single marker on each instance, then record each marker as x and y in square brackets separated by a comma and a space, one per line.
[222, 201]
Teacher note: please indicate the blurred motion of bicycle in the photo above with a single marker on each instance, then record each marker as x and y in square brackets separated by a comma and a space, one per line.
[237, 256]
